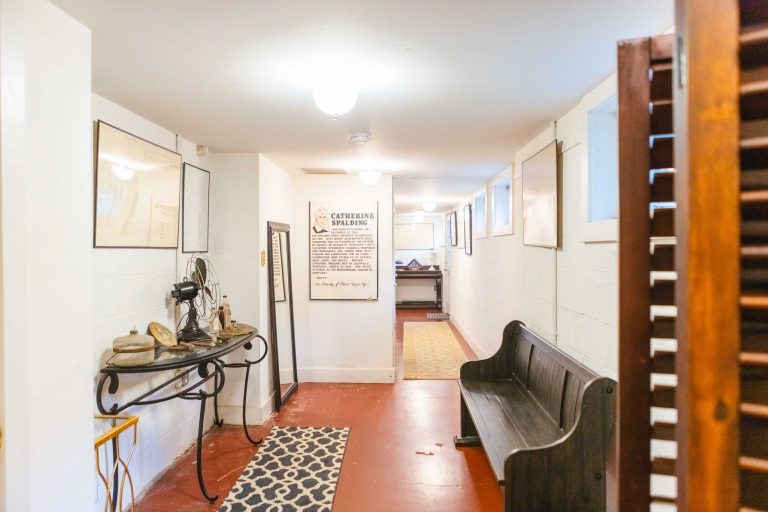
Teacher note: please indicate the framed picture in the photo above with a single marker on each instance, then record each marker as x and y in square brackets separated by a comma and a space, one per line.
[468, 229]
[196, 186]
[540, 198]
[137, 192]
[343, 250]
[454, 226]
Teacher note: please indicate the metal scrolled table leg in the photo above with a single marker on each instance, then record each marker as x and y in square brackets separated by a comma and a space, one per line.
[200, 425]
[216, 420]
[202, 396]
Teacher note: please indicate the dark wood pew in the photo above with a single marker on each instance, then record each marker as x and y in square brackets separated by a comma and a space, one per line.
[544, 421]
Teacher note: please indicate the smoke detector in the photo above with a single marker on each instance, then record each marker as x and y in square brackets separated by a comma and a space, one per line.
[359, 138]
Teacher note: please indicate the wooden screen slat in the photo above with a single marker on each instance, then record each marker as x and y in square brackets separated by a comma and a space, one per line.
[707, 254]
[754, 464]
[663, 222]
[663, 362]
[663, 466]
[663, 327]
[663, 258]
[663, 396]
[663, 430]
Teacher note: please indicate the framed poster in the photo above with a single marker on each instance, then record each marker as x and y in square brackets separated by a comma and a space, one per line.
[137, 192]
[540, 198]
[196, 186]
[277, 267]
[468, 229]
[454, 224]
[343, 251]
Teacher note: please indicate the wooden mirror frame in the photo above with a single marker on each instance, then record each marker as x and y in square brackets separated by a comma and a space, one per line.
[277, 227]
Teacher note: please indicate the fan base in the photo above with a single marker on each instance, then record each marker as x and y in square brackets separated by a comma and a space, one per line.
[192, 334]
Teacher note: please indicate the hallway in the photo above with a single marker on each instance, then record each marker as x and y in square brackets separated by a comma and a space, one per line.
[400, 455]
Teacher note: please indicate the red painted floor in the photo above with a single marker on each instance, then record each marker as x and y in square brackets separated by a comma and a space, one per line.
[400, 456]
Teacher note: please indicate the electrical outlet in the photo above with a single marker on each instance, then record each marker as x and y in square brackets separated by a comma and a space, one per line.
[182, 381]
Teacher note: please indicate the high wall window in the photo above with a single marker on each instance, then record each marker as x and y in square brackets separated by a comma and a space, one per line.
[480, 213]
[604, 161]
[501, 203]
[600, 164]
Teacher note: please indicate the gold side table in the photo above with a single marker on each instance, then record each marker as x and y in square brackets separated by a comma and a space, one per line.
[114, 476]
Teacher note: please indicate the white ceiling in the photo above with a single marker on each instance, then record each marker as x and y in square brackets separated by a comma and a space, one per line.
[448, 88]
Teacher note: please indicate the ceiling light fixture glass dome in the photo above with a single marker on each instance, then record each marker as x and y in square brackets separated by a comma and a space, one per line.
[335, 95]
[370, 178]
[429, 206]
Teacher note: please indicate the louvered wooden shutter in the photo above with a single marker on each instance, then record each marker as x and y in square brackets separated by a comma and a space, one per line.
[646, 271]
[753, 358]
[707, 256]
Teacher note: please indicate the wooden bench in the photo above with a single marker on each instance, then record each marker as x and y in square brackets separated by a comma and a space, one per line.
[544, 421]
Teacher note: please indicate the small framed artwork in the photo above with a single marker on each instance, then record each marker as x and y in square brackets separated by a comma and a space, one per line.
[468, 229]
[454, 225]
[540, 198]
[137, 192]
[196, 185]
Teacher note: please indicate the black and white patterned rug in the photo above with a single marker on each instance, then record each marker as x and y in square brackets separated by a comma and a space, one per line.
[295, 470]
[438, 316]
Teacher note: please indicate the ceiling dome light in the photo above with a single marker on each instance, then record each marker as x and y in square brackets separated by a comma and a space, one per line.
[335, 95]
[370, 178]
[428, 206]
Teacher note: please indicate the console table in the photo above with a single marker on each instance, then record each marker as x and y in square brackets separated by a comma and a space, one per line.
[209, 365]
[436, 275]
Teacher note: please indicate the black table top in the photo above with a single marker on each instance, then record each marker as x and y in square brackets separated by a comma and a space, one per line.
[170, 360]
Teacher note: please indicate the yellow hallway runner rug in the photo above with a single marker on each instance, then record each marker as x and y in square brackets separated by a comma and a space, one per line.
[431, 351]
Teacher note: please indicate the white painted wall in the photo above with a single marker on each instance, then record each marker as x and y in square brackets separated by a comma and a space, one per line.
[343, 341]
[568, 296]
[275, 205]
[235, 213]
[426, 257]
[132, 287]
[421, 289]
[45, 75]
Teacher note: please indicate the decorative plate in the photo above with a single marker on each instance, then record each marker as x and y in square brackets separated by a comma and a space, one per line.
[235, 330]
[162, 334]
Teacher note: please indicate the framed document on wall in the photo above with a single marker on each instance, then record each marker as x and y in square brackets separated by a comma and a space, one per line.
[343, 251]
[540, 198]
[137, 192]
[277, 267]
[194, 221]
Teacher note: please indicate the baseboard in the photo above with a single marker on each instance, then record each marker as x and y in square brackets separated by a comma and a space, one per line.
[233, 414]
[350, 375]
[480, 353]
[268, 407]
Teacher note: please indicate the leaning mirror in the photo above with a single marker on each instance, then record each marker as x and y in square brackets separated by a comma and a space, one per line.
[281, 328]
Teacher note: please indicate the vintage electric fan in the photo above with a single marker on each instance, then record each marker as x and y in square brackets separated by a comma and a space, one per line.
[200, 291]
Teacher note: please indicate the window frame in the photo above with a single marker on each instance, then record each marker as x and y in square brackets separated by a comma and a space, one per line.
[476, 232]
[507, 229]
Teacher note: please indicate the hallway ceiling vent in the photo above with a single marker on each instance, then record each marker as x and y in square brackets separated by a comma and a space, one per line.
[359, 138]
